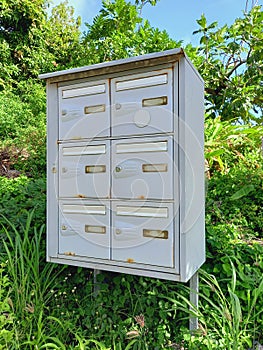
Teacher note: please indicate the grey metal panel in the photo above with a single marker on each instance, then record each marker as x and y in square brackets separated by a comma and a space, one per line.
[143, 233]
[142, 103]
[52, 170]
[160, 274]
[143, 169]
[84, 229]
[191, 165]
[84, 169]
[84, 110]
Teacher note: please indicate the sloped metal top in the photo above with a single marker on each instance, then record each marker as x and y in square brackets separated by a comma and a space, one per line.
[146, 60]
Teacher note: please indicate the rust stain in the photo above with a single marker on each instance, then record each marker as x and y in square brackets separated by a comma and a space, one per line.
[69, 253]
[81, 196]
[141, 197]
[130, 260]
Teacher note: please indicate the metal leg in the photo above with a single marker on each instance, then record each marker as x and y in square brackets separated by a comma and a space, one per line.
[96, 286]
[194, 289]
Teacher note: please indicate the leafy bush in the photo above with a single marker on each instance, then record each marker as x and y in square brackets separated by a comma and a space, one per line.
[23, 130]
[126, 308]
[20, 195]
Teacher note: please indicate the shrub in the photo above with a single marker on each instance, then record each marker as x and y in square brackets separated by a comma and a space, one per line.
[20, 195]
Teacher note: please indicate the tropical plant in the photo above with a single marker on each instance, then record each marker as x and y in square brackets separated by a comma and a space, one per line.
[230, 61]
[120, 32]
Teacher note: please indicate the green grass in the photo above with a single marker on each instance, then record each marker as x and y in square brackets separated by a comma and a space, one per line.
[45, 306]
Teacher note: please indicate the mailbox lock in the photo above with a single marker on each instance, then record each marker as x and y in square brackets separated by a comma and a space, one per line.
[118, 106]
[118, 231]
[63, 227]
[118, 169]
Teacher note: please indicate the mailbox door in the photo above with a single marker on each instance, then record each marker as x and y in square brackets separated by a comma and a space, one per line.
[84, 110]
[84, 170]
[143, 233]
[142, 103]
[84, 229]
[143, 168]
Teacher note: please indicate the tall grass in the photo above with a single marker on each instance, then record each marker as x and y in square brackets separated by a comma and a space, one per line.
[222, 323]
[31, 279]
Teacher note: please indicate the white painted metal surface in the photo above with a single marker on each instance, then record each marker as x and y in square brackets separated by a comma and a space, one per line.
[84, 110]
[143, 233]
[143, 169]
[84, 229]
[142, 103]
[126, 166]
[84, 170]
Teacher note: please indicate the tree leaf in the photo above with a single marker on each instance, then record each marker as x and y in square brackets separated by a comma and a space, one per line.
[244, 191]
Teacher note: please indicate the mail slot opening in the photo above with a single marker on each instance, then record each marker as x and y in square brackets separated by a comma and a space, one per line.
[94, 169]
[155, 234]
[155, 101]
[154, 168]
[94, 109]
[95, 229]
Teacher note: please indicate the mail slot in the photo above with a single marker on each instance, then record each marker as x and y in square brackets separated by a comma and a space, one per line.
[143, 168]
[142, 103]
[84, 229]
[144, 233]
[84, 110]
[84, 170]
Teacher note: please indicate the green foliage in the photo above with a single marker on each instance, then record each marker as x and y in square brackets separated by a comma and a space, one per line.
[20, 195]
[30, 280]
[23, 129]
[144, 2]
[223, 323]
[6, 313]
[228, 144]
[126, 308]
[64, 46]
[31, 43]
[20, 23]
[230, 61]
[120, 32]
[45, 306]
[234, 200]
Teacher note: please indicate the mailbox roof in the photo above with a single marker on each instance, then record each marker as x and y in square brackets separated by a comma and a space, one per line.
[147, 60]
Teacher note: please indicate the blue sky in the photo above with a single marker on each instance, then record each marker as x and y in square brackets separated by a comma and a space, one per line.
[177, 17]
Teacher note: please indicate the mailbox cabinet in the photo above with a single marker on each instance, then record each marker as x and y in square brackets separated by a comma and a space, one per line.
[125, 168]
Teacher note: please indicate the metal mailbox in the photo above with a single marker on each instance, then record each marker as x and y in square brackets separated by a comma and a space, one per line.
[84, 170]
[125, 168]
[143, 168]
[144, 233]
[87, 224]
[84, 110]
[142, 103]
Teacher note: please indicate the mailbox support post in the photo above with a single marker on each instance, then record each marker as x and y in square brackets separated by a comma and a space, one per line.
[194, 289]
[96, 288]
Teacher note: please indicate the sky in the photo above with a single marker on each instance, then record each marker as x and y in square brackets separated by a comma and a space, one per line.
[177, 17]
